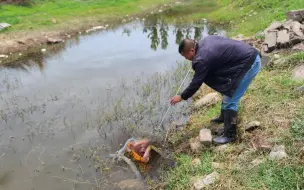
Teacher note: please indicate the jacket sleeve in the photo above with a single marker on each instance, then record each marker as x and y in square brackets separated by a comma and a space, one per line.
[201, 71]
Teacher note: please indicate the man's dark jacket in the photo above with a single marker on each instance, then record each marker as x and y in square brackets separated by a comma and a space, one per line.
[221, 63]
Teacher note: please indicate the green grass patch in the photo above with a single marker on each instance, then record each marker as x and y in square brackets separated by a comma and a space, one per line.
[297, 128]
[42, 14]
[274, 176]
[243, 16]
[272, 100]
[179, 178]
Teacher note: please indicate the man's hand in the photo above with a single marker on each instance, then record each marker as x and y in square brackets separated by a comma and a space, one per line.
[176, 99]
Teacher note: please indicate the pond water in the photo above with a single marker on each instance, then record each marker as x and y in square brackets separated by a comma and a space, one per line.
[64, 110]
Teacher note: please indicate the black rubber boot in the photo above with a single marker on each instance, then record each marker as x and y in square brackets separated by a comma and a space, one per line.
[219, 119]
[230, 123]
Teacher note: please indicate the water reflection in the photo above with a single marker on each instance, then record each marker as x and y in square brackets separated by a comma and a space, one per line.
[156, 31]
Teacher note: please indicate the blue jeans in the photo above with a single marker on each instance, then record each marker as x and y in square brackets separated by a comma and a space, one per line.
[231, 103]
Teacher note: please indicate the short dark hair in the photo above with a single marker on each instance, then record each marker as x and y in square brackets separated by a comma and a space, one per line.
[186, 45]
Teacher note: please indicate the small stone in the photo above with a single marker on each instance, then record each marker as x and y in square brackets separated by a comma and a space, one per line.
[276, 56]
[2, 56]
[160, 10]
[12, 137]
[4, 25]
[54, 40]
[208, 100]
[196, 162]
[300, 89]
[278, 153]
[205, 136]
[195, 145]
[252, 125]
[298, 73]
[266, 147]
[43, 50]
[199, 183]
[131, 184]
[23, 138]
[216, 165]
[20, 54]
[255, 13]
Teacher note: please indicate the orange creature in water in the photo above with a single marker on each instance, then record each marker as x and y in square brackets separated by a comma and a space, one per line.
[140, 150]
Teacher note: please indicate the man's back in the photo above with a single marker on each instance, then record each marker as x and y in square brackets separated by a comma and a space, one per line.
[221, 52]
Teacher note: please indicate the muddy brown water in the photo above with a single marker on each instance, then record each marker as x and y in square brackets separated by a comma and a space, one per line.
[63, 111]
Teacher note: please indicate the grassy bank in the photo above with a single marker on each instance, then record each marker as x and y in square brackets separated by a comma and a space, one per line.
[272, 100]
[243, 16]
[56, 13]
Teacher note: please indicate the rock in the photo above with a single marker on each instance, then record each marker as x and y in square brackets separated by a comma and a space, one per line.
[221, 148]
[160, 10]
[295, 40]
[283, 37]
[131, 184]
[296, 28]
[252, 125]
[196, 162]
[255, 13]
[298, 73]
[297, 15]
[96, 28]
[276, 56]
[273, 27]
[195, 145]
[278, 153]
[216, 165]
[270, 40]
[2, 56]
[54, 40]
[198, 183]
[208, 100]
[257, 162]
[299, 47]
[43, 50]
[4, 25]
[287, 25]
[264, 147]
[205, 136]
[300, 89]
